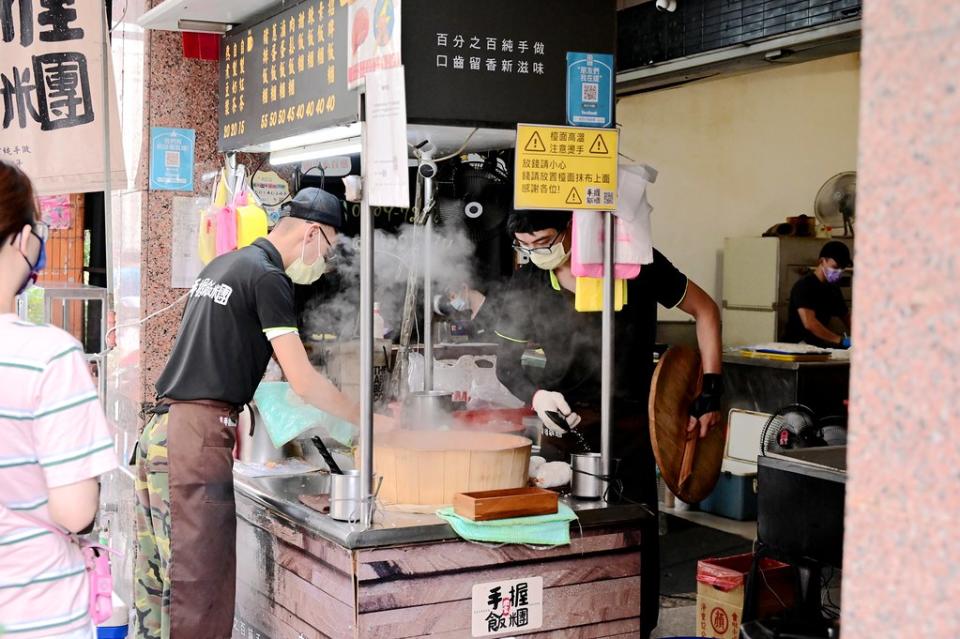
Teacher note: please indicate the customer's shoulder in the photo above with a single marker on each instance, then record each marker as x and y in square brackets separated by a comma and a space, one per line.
[41, 343]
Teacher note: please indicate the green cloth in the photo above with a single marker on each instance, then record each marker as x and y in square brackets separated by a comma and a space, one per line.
[286, 416]
[541, 530]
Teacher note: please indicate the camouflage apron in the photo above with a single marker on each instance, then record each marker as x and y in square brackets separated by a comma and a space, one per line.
[186, 523]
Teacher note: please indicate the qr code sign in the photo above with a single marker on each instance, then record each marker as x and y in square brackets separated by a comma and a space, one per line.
[171, 159]
[608, 198]
[590, 92]
[593, 195]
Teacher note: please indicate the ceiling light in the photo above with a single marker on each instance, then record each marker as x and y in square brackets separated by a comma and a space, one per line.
[316, 151]
[203, 26]
[320, 136]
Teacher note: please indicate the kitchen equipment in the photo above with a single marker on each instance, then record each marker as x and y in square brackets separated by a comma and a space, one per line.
[503, 504]
[689, 465]
[836, 202]
[588, 482]
[327, 457]
[254, 441]
[493, 420]
[428, 410]
[429, 467]
[758, 275]
[797, 426]
[561, 422]
[345, 496]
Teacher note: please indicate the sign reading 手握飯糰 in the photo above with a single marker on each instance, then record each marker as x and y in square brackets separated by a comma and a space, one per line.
[51, 95]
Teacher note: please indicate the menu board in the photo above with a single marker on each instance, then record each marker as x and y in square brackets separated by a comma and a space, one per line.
[285, 76]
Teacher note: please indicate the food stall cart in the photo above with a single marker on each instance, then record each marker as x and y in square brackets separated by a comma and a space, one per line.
[392, 573]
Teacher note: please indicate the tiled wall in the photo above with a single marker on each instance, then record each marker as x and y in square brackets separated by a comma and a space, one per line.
[902, 547]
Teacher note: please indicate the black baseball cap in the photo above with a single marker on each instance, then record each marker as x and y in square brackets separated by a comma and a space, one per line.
[837, 251]
[315, 205]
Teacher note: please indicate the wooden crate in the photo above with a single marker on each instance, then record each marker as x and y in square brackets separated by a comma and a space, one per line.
[292, 584]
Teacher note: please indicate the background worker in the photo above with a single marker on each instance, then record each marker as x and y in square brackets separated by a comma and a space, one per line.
[816, 299]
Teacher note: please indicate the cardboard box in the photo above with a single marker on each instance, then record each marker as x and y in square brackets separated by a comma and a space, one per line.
[721, 584]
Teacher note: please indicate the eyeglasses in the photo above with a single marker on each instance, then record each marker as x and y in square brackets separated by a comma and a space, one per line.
[537, 250]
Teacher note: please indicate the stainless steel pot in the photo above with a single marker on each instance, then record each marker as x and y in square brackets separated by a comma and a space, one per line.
[587, 470]
[428, 410]
[345, 496]
[257, 448]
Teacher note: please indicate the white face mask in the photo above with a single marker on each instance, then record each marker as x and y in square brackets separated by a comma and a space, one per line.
[459, 304]
[306, 274]
[551, 260]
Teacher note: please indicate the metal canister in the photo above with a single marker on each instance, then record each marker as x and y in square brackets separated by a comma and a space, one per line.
[345, 496]
[587, 472]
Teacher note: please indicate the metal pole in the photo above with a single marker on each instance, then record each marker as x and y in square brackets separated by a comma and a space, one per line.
[428, 298]
[107, 166]
[366, 341]
[606, 348]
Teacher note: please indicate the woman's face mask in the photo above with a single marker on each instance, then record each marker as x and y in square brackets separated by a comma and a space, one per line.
[551, 260]
[305, 274]
[39, 232]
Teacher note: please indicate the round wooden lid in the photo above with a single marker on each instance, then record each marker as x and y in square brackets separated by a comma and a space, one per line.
[676, 383]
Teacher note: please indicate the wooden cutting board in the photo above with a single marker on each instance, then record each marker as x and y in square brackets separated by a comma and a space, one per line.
[676, 383]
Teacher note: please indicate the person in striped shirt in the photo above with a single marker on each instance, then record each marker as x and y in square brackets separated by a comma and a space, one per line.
[55, 444]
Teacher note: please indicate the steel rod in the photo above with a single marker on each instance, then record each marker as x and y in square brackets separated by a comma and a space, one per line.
[366, 346]
[428, 301]
[606, 347]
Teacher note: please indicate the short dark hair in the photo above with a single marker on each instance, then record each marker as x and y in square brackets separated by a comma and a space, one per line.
[838, 252]
[533, 221]
[18, 207]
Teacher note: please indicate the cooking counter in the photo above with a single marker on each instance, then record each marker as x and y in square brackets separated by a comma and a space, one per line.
[411, 576]
[393, 528]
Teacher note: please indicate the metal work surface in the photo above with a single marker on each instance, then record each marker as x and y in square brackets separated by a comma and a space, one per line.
[730, 358]
[391, 528]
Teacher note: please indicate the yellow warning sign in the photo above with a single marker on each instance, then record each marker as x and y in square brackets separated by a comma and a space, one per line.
[560, 167]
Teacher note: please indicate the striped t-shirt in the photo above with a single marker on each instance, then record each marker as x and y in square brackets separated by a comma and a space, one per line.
[53, 434]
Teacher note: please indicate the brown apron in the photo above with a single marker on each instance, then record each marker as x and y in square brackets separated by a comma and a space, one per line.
[201, 436]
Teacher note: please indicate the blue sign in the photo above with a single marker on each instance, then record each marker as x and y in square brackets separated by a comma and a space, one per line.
[590, 89]
[171, 159]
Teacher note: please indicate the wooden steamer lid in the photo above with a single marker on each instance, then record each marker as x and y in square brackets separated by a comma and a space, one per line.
[676, 383]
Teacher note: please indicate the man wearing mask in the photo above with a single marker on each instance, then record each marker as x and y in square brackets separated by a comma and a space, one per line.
[240, 311]
[537, 308]
[816, 299]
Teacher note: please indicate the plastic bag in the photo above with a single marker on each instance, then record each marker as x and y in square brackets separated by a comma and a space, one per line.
[286, 416]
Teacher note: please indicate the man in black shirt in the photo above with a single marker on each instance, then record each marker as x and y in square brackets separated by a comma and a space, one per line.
[537, 308]
[816, 299]
[240, 311]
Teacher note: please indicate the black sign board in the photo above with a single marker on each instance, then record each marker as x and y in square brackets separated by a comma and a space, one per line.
[497, 62]
[286, 75]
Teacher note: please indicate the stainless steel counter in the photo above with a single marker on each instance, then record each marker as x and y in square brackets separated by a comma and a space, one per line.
[732, 358]
[391, 528]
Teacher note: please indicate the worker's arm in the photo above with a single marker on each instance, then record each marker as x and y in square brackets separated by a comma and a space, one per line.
[510, 368]
[810, 322]
[310, 384]
[74, 506]
[705, 312]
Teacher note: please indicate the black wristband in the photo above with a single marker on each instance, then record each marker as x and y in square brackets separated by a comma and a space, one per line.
[712, 384]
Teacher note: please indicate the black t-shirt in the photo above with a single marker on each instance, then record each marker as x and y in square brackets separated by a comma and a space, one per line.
[222, 350]
[823, 298]
[531, 310]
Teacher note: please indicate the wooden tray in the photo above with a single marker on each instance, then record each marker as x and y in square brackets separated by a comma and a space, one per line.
[503, 504]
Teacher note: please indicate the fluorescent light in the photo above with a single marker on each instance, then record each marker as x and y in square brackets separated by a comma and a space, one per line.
[316, 151]
[315, 137]
[203, 26]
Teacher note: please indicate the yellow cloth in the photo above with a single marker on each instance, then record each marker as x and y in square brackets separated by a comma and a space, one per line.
[589, 294]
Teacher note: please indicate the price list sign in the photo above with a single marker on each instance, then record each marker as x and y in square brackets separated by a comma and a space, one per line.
[285, 76]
